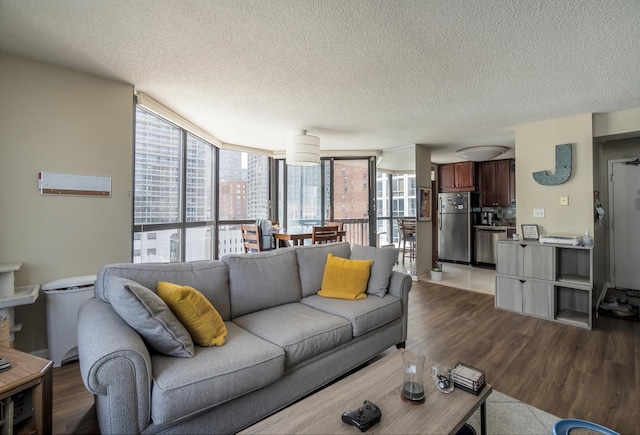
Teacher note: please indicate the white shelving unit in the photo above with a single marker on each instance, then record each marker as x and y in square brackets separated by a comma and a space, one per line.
[554, 282]
[11, 296]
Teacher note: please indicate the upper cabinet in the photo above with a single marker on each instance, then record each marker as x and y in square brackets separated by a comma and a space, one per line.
[457, 177]
[496, 178]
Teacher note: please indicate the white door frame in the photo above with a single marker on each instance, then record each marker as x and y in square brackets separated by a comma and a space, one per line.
[610, 164]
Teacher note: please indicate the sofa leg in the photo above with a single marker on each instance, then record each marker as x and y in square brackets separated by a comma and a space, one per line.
[400, 345]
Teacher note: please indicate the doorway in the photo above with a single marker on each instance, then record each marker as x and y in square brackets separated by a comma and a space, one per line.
[337, 190]
[624, 225]
[349, 197]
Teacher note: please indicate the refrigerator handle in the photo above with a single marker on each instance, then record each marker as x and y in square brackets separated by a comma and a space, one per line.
[439, 213]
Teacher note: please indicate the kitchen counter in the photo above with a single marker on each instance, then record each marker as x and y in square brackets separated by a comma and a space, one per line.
[494, 227]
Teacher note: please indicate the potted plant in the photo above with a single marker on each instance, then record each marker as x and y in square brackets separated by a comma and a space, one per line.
[436, 271]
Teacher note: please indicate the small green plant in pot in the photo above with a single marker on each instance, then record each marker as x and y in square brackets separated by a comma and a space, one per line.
[436, 271]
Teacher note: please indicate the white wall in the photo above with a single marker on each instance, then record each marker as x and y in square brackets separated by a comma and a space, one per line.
[57, 120]
[424, 229]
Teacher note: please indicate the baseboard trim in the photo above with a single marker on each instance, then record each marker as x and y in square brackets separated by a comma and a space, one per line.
[42, 353]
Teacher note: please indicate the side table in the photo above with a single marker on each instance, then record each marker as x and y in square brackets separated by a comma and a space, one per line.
[29, 372]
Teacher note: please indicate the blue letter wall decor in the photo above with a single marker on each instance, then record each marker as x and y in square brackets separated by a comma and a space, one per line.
[563, 168]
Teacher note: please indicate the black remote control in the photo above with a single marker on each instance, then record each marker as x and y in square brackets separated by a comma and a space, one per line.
[364, 417]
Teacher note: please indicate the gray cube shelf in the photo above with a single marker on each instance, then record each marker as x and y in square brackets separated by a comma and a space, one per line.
[549, 281]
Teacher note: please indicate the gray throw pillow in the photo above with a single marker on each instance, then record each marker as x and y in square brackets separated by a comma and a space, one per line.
[383, 261]
[151, 317]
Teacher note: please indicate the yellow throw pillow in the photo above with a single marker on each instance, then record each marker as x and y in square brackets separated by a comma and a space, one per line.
[345, 279]
[195, 312]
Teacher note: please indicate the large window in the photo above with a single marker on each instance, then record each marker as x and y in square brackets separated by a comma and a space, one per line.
[244, 186]
[175, 203]
[304, 197]
[395, 197]
[173, 192]
[244, 196]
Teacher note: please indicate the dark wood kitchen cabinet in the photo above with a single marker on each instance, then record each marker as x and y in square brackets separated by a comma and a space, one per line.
[457, 177]
[496, 190]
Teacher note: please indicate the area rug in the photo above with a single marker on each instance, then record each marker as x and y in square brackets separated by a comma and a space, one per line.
[506, 415]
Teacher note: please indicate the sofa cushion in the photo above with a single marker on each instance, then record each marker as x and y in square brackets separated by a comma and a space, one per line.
[364, 315]
[345, 279]
[211, 278]
[383, 261]
[262, 280]
[195, 312]
[311, 262]
[215, 375]
[314, 332]
[145, 312]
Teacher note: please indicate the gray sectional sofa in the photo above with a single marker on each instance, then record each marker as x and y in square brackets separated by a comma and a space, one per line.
[283, 340]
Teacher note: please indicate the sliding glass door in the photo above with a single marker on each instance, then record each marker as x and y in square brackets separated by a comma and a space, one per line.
[351, 199]
[395, 198]
[336, 190]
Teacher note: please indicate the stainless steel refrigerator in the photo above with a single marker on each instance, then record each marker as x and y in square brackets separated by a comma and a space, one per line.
[455, 226]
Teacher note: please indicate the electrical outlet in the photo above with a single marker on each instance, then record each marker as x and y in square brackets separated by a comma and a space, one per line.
[564, 200]
[538, 212]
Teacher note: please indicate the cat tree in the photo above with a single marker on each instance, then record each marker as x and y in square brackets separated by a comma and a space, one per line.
[11, 297]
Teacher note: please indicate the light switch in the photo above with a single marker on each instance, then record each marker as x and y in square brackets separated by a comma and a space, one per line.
[538, 212]
[564, 200]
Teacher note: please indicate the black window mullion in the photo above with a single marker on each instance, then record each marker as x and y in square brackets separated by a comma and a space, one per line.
[373, 212]
[285, 193]
[183, 196]
[216, 205]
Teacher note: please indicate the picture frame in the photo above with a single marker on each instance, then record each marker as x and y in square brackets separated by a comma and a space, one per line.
[530, 232]
[424, 203]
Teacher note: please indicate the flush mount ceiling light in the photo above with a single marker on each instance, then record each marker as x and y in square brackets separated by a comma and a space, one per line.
[303, 150]
[482, 153]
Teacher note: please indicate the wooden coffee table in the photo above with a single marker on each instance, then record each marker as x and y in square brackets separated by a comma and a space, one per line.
[34, 373]
[379, 383]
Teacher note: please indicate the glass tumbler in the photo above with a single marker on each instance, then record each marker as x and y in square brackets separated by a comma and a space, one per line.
[442, 376]
[413, 380]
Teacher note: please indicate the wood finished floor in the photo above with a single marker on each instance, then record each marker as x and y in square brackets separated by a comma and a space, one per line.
[564, 370]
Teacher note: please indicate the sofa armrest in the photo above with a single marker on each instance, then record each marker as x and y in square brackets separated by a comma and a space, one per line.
[116, 367]
[399, 286]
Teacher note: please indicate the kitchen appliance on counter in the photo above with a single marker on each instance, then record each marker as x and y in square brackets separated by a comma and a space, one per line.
[488, 217]
[455, 226]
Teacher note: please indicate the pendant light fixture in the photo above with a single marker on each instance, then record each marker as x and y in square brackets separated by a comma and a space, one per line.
[303, 150]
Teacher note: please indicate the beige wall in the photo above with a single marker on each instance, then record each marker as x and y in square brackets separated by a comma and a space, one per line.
[57, 120]
[535, 151]
[424, 232]
[614, 123]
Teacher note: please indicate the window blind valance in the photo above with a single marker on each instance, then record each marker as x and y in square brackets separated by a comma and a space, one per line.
[163, 111]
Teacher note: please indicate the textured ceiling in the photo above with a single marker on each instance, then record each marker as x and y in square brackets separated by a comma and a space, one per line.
[361, 75]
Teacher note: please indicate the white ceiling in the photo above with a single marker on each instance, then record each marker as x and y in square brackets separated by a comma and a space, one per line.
[361, 75]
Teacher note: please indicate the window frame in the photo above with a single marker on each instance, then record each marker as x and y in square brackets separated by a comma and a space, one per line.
[182, 225]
